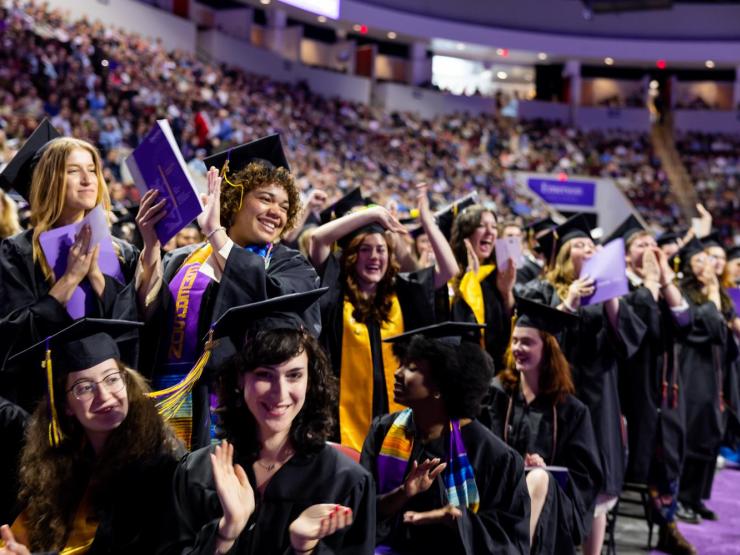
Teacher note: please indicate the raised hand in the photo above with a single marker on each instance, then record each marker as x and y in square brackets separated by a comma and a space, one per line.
[151, 210]
[582, 287]
[210, 219]
[12, 547]
[533, 459]
[650, 270]
[316, 200]
[446, 515]
[422, 476]
[705, 222]
[473, 262]
[387, 220]
[234, 491]
[80, 256]
[318, 522]
[422, 202]
[505, 280]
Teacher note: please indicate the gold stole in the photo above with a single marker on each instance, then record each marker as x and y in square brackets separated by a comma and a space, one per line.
[356, 373]
[472, 293]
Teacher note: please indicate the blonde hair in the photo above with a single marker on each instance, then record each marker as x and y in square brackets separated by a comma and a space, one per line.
[563, 273]
[8, 216]
[49, 189]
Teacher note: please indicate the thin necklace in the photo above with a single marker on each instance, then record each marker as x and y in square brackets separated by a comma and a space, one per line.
[270, 467]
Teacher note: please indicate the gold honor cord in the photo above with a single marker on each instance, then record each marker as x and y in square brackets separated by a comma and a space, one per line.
[224, 170]
[169, 400]
[55, 429]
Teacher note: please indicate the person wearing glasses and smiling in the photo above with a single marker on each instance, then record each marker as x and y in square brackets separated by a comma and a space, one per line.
[248, 208]
[96, 468]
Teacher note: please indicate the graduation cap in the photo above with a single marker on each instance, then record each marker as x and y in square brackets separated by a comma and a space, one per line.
[626, 229]
[572, 228]
[684, 254]
[343, 206]
[733, 253]
[540, 225]
[712, 240]
[668, 238]
[284, 312]
[79, 346]
[446, 216]
[19, 171]
[267, 150]
[447, 332]
[530, 314]
[417, 231]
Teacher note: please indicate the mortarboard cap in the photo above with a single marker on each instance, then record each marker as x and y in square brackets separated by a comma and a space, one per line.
[446, 216]
[81, 345]
[448, 332]
[576, 226]
[284, 312]
[542, 224]
[19, 171]
[712, 240]
[531, 314]
[668, 237]
[343, 206]
[417, 232]
[692, 247]
[267, 150]
[626, 230]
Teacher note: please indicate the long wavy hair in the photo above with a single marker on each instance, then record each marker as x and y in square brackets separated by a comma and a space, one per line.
[376, 308]
[53, 480]
[466, 222]
[556, 380]
[315, 422]
[254, 176]
[694, 290]
[49, 189]
[562, 273]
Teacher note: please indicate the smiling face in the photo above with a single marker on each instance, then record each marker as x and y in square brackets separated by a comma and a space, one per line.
[276, 394]
[697, 263]
[526, 348]
[718, 258]
[483, 238]
[372, 260]
[262, 217]
[97, 398]
[581, 248]
[81, 181]
[413, 384]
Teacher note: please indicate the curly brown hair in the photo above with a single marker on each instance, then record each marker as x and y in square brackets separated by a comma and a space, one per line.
[466, 222]
[255, 176]
[315, 422]
[378, 307]
[54, 479]
[556, 380]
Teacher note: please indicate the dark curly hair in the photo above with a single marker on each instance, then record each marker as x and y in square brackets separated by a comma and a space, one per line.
[462, 373]
[463, 227]
[54, 479]
[254, 176]
[313, 425]
[368, 309]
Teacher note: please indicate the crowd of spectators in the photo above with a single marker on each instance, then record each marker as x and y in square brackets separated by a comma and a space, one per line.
[109, 87]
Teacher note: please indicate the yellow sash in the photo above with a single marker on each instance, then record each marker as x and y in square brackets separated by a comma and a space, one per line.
[472, 293]
[356, 373]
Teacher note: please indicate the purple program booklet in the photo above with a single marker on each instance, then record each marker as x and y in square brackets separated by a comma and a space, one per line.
[157, 163]
[609, 270]
[56, 244]
[734, 294]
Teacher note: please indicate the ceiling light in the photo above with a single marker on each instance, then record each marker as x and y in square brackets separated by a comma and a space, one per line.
[321, 19]
[265, 2]
[609, 61]
[654, 84]
[709, 64]
[356, 27]
[501, 75]
[460, 46]
[392, 35]
[542, 56]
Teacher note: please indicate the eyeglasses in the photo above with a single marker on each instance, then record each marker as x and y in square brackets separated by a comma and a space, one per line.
[85, 390]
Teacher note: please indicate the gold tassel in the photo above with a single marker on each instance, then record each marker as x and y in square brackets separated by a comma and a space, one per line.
[55, 429]
[169, 400]
[224, 170]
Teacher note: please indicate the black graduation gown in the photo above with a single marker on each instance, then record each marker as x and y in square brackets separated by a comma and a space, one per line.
[416, 296]
[566, 518]
[498, 322]
[28, 314]
[244, 281]
[324, 477]
[501, 525]
[530, 270]
[593, 351]
[12, 430]
[651, 392]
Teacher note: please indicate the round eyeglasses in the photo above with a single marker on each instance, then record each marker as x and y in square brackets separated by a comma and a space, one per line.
[84, 390]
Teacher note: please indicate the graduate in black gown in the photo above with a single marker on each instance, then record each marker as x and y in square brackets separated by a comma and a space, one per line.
[483, 294]
[370, 300]
[606, 332]
[534, 265]
[273, 485]
[532, 408]
[96, 468]
[445, 483]
[650, 384]
[63, 180]
[706, 354]
[248, 209]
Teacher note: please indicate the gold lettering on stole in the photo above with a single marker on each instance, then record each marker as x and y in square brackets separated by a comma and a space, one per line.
[181, 311]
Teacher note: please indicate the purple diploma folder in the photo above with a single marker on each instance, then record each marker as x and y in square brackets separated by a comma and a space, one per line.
[609, 270]
[157, 163]
[56, 244]
[734, 294]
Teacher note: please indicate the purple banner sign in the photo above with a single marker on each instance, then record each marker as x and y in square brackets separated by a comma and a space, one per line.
[609, 271]
[554, 191]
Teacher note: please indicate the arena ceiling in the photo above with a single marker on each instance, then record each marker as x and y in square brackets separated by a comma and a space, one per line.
[709, 20]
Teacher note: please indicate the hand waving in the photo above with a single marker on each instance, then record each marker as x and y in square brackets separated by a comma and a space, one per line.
[210, 218]
[422, 476]
[12, 547]
[150, 213]
[234, 491]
